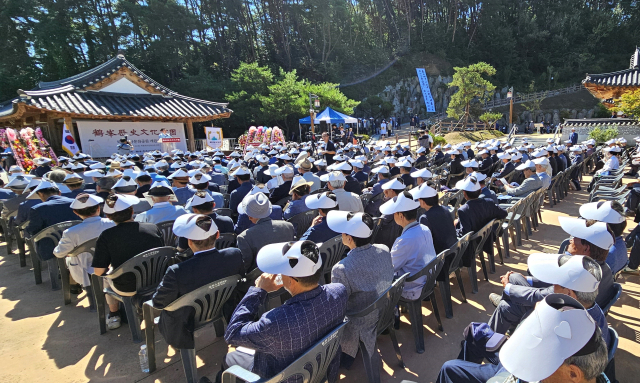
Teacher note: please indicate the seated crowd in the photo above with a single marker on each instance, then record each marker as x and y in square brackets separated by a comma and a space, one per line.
[384, 203]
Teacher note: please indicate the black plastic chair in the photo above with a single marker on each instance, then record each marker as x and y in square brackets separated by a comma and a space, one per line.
[610, 370]
[331, 252]
[618, 291]
[227, 199]
[301, 222]
[21, 243]
[53, 233]
[226, 240]
[478, 239]
[207, 302]
[166, 228]
[86, 247]
[377, 224]
[283, 202]
[455, 252]
[148, 268]
[312, 366]
[224, 211]
[564, 245]
[430, 271]
[385, 305]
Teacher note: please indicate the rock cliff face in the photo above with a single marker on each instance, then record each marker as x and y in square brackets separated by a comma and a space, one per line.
[407, 100]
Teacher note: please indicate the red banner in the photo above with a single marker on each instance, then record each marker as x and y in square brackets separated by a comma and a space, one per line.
[170, 139]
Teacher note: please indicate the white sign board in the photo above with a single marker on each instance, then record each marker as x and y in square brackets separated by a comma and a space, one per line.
[214, 137]
[101, 138]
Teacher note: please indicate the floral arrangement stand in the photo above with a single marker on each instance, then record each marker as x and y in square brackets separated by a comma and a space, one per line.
[27, 145]
[257, 136]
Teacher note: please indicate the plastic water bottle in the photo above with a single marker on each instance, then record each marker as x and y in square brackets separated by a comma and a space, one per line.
[144, 358]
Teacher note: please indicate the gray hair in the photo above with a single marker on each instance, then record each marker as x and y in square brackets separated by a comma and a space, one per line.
[592, 365]
[587, 299]
[337, 184]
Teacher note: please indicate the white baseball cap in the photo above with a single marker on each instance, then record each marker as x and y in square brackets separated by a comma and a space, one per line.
[601, 211]
[470, 164]
[349, 223]
[596, 233]
[571, 275]
[84, 200]
[196, 227]
[119, 202]
[422, 173]
[557, 329]
[400, 203]
[504, 156]
[293, 259]
[326, 200]
[423, 191]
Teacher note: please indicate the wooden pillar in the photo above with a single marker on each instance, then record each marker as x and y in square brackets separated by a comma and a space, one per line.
[55, 135]
[192, 141]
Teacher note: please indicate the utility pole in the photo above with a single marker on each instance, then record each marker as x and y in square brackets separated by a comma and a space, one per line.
[313, 100]
[510, 96]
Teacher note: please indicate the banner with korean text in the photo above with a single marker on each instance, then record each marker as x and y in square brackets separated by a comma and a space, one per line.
[426, 91]
[101, 138]
[214, 137]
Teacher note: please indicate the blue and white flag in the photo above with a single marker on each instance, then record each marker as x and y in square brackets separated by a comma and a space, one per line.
[426, 91]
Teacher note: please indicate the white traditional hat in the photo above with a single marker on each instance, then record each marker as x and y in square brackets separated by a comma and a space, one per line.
[198, 199]
[483, 151]
[271, 171]
[140, 174]
[98, 165]
[19, 182]
[504, 156]
[178, 173]
[390, 160]
[193, 227]
[286, 157]
[469, 184]
[596, 233]
[320, 162]
[540, 153]
[544, 161]
[516, 156]
[571, 275]
[293, 259]
[479, 176]
[343, 166]
[125, 184]
[421, 149]
[97, 173]
[601, 211]
[404, 163]
[380, 169]
[44, 184]
[400, 203]
[241, 171]
[357, 164]
[422, 173]
[326, 200]
[614, 149]
[121, 203]
[395, 184]
[333, 176]
[470, 164]
[84, 200]
[284, 170]
[558, 328]
[527, 165]
[348, 223]
[199, 179]
[454, 151]
[42, 161]
[423, 191]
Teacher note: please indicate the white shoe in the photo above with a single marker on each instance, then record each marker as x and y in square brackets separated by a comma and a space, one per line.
[113, 322]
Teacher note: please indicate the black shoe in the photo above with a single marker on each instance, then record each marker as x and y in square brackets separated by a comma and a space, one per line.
[75, 289]
[346, 361]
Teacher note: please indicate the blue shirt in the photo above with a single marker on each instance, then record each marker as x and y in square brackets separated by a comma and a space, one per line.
[295, 207]
[183, 194]
[617, 258]
[410, 253]
[377, 188]
[319, 233]
[238, 195]
[161, 212]
[156, 177]
[283, 334]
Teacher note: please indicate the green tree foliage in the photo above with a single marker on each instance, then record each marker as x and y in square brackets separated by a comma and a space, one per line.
[471, 86]
[603, 134]
[489, 118]
[629, 104]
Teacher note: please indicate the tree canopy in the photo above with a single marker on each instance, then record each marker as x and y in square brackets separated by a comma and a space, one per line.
[629, 104]
[470, 86]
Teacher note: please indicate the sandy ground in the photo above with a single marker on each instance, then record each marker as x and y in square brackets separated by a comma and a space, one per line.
[41, 339]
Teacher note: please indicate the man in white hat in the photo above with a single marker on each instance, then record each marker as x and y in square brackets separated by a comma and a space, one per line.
[207, 265]
[366, 272]
[25, 206]
[507, 165]
[346, 200]
[530, 184]
[180, 185]
[475, 214]
[282, 190]
[265, 230]
[611, 213]
[542, 164]
[283, 334]
[351, 184]
[413, 249]
[573, 136]
[127, 186]
[437, 218]
[558, 342]
[53, 208]
[120, 243]
[405, 172]
[243, 177]
[319, 230]
[381, 176]
[161, 194]
[42, 166]
[18, 187]
[87, 207]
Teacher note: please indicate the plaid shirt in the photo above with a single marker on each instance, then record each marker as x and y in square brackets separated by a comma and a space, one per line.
[283, 334]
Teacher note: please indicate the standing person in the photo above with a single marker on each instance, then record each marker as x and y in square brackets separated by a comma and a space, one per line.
[573, 136]
[118, 244]
[366, 273]
[383, 129]
[329, 149]
[167, 147]
[124, 146]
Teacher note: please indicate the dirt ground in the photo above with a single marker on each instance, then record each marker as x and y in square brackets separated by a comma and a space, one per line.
[43, 340]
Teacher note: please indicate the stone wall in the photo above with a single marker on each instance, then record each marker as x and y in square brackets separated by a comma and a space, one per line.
[629, 132]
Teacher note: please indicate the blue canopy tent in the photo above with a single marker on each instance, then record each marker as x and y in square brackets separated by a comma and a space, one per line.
[329, 116]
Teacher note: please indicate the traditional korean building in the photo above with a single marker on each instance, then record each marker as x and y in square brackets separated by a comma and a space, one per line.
[608, 87]
[108, 102]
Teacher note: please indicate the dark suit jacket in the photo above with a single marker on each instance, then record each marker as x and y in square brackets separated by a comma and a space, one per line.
[554, 166]
[394, 171]
[485, 166]
[142, 189]
[238, 195]
[233, 185]
[6, 194]
[507, 169]
[261, 177]
[55, 210]
[177, 327]
[280, 192]
[361, 176]
[472, 216]
[439, 220]
[438, 158]
[352, 185]
[408, 180]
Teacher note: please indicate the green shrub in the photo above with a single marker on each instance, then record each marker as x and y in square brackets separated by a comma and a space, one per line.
[602, 135]
[438, 140]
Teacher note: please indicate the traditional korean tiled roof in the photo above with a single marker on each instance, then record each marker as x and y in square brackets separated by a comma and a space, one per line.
[588, 122]
[70, 95]
[627, 77]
